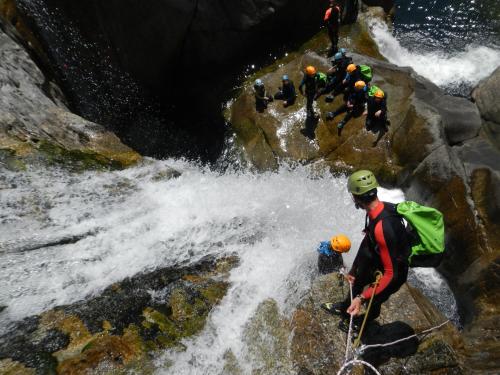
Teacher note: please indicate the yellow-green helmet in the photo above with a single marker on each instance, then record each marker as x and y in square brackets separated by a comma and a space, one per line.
[361, 182]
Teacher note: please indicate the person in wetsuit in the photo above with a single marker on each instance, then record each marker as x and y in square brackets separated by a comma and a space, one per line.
[330, 254]
[313, 82]
[286, 92]
[354, 106]
[385, 247]
[261, 96]
[376, 116]
[336, 75]
[332, 22]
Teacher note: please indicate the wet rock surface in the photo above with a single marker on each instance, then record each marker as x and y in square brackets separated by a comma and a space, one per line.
[121, 327]
[310, 342]
[35, 126]
[437, 148]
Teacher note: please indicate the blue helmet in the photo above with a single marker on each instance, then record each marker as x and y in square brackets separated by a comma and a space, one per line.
[258, 82]
[284, 78]
[338, 56]
[343, 51]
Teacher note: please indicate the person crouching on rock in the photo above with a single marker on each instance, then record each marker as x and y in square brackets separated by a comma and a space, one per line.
[261, 96]
[376, 113]
[313, 82]
[330, 254]
[385, 247]
[336, 75]
[355, 105]
[286, 92]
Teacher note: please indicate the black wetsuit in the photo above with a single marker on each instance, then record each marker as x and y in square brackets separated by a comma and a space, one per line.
[330, 263]
[261, 98]
[336, 76]
[358, 99]
[384, 248]
[312, 86]
[373, 106]
[287, 93]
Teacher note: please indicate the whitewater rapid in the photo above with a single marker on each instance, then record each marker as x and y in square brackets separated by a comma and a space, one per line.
[446, 68]
[125, 222]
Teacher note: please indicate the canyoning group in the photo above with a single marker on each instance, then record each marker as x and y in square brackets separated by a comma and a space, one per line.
[396, 237]
[343, 78]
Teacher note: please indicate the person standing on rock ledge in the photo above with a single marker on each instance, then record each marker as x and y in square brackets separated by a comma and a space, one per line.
[313, 82]
[332, 22]
[385, 247]
[261, 96]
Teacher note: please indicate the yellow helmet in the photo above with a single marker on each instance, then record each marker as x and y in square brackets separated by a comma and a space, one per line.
[310, 70]
[359, 85]
[379, 94]
[341, 243]
[351, 68]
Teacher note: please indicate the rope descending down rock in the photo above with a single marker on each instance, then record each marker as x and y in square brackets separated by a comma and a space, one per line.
[357, 353]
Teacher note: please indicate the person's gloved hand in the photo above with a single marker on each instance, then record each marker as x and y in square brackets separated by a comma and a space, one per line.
[325, 248]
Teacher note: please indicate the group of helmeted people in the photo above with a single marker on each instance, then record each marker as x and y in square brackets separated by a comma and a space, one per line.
[344, 78]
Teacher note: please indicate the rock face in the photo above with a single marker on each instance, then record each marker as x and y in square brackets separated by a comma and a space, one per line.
[436, 149]
[116, 330]
[311, 343]
[486, 98]
[36, 126]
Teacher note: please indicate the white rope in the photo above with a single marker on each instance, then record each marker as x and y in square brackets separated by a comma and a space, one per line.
[348, 345]
[357, 362]
[364, 347]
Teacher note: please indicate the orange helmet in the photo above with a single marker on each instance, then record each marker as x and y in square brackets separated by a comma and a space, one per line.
[310, 70]
[351, 68]
[341, 243]
[379, 94]
[359, 85]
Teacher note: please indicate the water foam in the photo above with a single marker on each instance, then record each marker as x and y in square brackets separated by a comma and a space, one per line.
[441, 67]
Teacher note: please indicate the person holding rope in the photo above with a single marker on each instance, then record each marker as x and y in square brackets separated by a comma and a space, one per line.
[385, 248]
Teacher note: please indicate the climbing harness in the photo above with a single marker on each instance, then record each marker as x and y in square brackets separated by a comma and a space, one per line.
[352, 352]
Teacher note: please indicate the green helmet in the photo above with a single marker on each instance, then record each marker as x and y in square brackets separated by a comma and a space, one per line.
[361, 182]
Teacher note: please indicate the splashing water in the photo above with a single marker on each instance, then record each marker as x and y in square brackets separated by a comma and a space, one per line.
[444, 68]
[125, 222]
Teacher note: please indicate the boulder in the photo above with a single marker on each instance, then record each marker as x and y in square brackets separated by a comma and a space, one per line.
[36, 126]
[311, 343]
[118, 328]
[486, 97]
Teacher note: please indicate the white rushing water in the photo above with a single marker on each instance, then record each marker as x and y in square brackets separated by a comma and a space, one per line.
[444, 68]
[130, 221]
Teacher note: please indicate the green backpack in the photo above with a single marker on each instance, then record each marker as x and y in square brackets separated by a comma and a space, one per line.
[366, 73]
[321, 78]
[373, 90]
[426, 233]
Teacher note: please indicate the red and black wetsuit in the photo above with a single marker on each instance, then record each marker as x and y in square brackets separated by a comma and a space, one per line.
[385, 248]
[332, 21]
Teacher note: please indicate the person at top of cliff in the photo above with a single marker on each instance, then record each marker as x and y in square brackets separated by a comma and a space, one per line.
[313, 82]
[384, 248]
[261, 96]
[336, 75]
[286, 92]
[332, 23]
[330, 253]
[354, 106]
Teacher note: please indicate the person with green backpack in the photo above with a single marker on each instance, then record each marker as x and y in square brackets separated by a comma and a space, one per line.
[388, 246]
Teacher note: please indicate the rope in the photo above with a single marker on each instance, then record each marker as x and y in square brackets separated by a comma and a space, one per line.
[357, 362]
[363, 348]
[378, 276]
[348, 348]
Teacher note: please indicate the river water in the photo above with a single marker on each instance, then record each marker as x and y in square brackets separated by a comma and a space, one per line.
[117, 224]
[453, 43]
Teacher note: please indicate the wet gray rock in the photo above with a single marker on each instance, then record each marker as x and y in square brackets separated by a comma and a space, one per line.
[461, 118]
[36, 126]
[486, 97]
